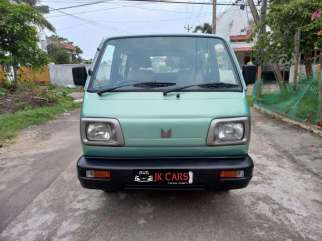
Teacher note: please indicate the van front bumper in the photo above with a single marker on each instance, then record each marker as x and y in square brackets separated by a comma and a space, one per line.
[206, 172]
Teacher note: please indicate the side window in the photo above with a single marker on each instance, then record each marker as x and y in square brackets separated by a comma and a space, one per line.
[225, 66]
[104, 70]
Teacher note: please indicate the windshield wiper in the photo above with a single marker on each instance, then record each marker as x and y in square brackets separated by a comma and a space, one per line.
[150, 84]
[205, 85]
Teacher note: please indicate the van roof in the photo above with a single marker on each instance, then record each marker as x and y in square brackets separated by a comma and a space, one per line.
[166, 35]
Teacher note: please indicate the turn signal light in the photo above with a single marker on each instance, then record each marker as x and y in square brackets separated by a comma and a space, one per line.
[232, 174]
[98, 174]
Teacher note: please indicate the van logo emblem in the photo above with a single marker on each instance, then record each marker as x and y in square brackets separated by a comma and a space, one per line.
[166, 134]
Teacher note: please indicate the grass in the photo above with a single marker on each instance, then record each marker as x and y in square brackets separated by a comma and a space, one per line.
[12, 123]
[13, 119]
[250, 100]
[301, 103]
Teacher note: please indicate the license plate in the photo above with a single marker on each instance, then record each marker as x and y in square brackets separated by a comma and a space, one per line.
[164, 177]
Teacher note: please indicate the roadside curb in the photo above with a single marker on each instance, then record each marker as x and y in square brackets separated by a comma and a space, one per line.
[77, 97]
[308, 127]
[78, 101]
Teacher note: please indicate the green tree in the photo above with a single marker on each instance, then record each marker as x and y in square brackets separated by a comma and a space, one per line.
[77, 58]
[205, 28]
[30, 2]
[18, 36]
[284, 19]
[57, 54]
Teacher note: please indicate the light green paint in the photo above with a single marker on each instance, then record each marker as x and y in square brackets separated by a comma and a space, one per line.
[143, 114]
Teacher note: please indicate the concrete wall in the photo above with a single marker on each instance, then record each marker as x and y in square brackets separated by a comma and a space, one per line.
[61, 74]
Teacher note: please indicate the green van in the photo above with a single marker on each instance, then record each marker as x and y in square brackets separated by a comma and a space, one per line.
[164, 112]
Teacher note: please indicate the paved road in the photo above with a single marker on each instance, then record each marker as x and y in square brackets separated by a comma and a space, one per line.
[41, 199]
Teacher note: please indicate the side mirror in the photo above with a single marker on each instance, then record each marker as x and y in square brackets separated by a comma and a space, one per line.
[249, 73]
[79, 75]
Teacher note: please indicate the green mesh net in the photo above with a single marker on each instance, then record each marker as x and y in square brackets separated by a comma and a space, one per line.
[300, 102]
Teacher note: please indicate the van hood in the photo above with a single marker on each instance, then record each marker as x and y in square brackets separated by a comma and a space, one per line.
[145, 115]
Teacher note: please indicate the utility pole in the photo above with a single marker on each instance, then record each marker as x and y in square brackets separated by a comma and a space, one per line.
[188, 27]
[263, 15]
[254, 11]
[214, 16]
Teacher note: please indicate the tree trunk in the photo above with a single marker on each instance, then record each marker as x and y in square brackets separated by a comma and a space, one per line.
[257, 20]
[259, 82]
[15, 74]
[308, 70]
[297, 56]
[308, 65]
[278, 75]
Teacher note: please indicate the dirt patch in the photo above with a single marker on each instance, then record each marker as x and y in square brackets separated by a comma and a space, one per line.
[29, 95]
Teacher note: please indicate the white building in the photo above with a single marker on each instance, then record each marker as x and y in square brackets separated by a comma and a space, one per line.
[235, 25]
[42, 39]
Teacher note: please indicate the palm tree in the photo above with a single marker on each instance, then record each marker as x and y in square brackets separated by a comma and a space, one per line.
[42, 21]
[30, 2]
[205, 28]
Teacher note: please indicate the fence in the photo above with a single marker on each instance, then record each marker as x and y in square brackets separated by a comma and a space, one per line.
[39, 76]
[2, 75]
[300, 102]
[25, 74]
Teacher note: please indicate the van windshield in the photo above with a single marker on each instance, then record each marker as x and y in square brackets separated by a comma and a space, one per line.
[164, 62]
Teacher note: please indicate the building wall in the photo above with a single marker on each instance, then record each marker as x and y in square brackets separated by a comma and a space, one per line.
[61, 74]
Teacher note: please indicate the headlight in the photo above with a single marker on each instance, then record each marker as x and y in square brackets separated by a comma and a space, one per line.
[229, 131]
[101, 131]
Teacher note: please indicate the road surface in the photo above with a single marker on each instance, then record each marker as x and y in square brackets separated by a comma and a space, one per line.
[41, 199]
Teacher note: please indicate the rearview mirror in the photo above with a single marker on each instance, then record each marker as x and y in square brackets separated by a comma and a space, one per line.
[249, 73]
[79, 75]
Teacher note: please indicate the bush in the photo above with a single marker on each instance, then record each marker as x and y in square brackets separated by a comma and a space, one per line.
[26, 95]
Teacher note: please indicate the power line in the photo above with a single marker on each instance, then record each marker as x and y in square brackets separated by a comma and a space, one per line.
[150, 1]
[130, 21]
[138, 6]
[184, 2]
[64, 1]
[97, 10]
[77, 6]
[88, 21]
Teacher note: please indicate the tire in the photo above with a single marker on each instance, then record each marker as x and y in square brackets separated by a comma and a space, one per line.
[110, 191]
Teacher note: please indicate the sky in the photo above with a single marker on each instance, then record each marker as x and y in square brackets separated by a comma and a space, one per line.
[86, 26]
